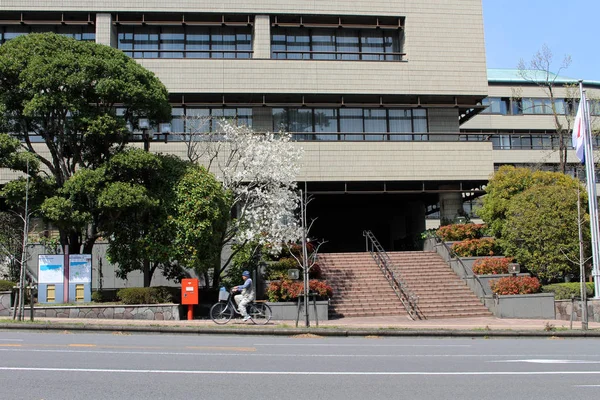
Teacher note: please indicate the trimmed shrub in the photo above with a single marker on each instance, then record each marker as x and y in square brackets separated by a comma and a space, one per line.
[6, 286]
[476, 247]
[149, 295]
[456, 232]
[515, 285]
[288, 290]
[491, 266]
[564, 291]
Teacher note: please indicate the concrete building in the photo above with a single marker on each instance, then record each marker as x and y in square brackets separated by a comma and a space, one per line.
[375, 92]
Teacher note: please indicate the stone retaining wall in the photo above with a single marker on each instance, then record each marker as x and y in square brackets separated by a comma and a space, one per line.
[160, 312]
[564, 308]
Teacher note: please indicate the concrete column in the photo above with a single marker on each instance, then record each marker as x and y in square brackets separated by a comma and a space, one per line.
[262, 37]
[451, 204]
[106, 33]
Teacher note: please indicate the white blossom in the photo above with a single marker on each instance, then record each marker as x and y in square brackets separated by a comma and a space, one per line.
[260, 170]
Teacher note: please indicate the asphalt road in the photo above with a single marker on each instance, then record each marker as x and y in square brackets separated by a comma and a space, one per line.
[116, 366]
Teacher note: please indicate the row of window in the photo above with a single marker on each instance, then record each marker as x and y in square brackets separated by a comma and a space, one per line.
[78, 32]
[352, 123]
[185, 41]
[516, 141]
[335, 44]
[528, 106]
[236, 42]
[314, 123]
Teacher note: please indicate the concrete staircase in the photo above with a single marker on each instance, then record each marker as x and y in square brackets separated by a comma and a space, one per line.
[360, 289]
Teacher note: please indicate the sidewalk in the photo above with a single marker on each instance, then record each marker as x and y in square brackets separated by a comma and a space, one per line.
[380, 326]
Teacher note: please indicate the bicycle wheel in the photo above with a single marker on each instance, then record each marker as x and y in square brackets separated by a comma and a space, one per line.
[260, 313]
[221, 313]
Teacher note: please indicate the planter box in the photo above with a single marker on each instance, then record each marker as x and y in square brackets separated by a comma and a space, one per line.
[534, 306]
[287, 311]
[487, 279]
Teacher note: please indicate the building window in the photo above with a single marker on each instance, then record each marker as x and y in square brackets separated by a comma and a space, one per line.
[185, 41]
[199, 120]
[352, 123]
[77, 32]
[300, 43]
[496, 105]
[543, 106]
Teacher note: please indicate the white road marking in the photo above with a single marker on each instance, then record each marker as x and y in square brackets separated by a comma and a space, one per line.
[12, 340]
[542, 361]
[359, 345]
[326, 373]
[586, 386]
[233, 354]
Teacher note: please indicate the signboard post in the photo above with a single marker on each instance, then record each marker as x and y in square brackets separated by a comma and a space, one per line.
[50, 277]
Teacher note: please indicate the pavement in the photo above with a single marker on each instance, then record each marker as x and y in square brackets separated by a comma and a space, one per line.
[363, 326]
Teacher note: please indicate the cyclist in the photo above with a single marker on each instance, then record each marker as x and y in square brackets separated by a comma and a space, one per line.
[246, 295]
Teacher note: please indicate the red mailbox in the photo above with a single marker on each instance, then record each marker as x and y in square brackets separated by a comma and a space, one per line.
[189, 295]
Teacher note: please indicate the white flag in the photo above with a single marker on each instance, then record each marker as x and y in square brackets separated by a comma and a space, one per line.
[579, 132]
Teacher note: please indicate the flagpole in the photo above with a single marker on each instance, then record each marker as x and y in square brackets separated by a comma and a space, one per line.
[591, 189]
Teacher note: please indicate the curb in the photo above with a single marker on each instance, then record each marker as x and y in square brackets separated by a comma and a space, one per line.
[327, 332]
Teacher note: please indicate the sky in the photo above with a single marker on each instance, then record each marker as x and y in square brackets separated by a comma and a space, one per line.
[517, 29]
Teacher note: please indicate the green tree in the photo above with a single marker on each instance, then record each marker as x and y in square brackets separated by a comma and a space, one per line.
[59, 97]
[137, 208]
[541, 230]
[202, 213]
[508, 182]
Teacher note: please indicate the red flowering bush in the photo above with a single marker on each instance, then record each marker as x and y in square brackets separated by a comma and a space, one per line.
[451, 233]
[287, 290]
[491, 266]
[475, 247]
[516, 285]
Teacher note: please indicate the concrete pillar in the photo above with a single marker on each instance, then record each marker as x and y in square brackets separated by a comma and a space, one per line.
[106, 33]
[451, 204]
[261, 45]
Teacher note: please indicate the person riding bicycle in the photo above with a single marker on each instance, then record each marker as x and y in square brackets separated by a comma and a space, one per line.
[246, 296]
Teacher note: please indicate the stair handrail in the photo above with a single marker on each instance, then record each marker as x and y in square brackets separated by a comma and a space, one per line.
[455, 256]
[408, 299]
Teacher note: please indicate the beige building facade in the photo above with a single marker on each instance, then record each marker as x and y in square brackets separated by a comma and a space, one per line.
[375, 92]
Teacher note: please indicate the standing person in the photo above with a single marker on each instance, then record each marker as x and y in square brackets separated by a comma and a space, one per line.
[246, 295]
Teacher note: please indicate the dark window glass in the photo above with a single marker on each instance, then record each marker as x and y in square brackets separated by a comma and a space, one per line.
[334, 44]
[185, 41]
[82, 33]
[375, 122]
[352, 123]
[326, 120]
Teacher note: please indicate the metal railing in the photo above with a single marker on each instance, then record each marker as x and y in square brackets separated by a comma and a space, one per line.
[408, 299]
[453, 256]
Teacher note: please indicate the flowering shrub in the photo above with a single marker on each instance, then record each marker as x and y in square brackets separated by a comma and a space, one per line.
[450, 233]
[475, 247]
[287, 290]
[491, 266]
[515, 285]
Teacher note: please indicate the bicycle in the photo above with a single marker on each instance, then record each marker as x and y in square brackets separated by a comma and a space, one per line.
[222, 311]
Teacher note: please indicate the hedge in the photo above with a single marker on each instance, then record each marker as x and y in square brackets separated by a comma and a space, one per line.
[6, 286]
[515, 285]
[564, 291]
[148, 295]
[476, 248]
[491, 266]
[456, 232]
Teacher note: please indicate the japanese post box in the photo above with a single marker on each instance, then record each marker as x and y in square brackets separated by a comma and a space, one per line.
[189, 291]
